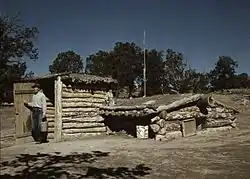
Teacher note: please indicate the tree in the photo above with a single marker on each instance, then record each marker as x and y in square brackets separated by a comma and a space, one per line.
[240, 81]
[67, 62]
[223, 73]
[100, 63]
[123, 63]
[154, 69]
[16, 44]
[174, 71]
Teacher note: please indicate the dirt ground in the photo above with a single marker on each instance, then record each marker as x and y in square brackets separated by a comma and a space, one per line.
[220, 155]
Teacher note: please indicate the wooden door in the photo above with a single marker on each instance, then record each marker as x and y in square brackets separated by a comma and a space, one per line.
[22, 92]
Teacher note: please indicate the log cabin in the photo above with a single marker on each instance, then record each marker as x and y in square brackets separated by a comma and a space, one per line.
[73, 100]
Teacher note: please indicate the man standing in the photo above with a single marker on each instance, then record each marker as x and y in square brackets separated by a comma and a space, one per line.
[38, 107]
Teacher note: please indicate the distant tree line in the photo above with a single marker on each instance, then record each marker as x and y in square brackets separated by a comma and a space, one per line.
[167, 71]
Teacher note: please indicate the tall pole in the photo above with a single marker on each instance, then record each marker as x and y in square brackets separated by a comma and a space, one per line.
[144, 65]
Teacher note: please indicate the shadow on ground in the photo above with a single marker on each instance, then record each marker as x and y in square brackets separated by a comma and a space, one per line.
[75, 165]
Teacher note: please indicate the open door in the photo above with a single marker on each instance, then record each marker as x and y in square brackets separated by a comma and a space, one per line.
[22, 92]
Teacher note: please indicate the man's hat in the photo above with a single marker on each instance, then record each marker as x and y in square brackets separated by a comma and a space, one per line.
[36, 85]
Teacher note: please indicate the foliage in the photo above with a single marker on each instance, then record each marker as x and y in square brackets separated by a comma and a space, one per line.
[241, 81]
[123, 63]
[67, 62]
[100, 64]
[16, 43]
[177, 76]
[223, 73]
[154, 71]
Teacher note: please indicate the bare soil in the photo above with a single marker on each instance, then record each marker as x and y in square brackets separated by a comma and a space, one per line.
[221, 155]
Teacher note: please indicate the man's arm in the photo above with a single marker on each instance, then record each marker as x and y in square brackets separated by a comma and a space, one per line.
[28, 105]
[44, 105]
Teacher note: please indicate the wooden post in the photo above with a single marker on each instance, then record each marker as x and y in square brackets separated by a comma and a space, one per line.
[58, 110]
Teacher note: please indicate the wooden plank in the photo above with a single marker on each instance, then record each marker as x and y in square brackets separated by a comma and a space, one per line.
[188, 127]
[23, 114]
[24, 91]
[58, 110]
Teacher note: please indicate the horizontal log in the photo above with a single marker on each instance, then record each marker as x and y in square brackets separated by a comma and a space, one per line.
[83, 119]
[51, 125]
[90, 91]
[90, 100]
[51, 108]
[50, 136]
[79, 110]
[79, 114]
[180, 103]
[49, 104]
[126, 113]
[124, 108]
[210, 123]
[81, 135]
[50, 116]
[155, 119]
[80, 104]
[177, 115]
[50, 112]
[84, 130]
[190, 109]
[51, 129]
[221, 110]
[82, 95]
[50, 119]
[78, 90]
[81, 125]
[219, 115]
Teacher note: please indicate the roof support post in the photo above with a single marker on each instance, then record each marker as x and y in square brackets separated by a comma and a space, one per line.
[58, 110]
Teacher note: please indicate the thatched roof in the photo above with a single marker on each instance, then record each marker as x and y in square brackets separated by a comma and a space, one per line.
[75, 77]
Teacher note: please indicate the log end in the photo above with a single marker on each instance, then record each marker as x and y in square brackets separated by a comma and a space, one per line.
[204, 102]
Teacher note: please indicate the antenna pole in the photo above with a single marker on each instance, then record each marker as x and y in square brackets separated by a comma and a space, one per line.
[144, 65]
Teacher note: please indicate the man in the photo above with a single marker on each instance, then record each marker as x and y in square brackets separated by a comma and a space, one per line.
[38, 107]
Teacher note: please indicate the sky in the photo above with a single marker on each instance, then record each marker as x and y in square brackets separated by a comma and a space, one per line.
[202, 30]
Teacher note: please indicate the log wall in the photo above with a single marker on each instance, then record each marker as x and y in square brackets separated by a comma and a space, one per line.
[80, 116]
[168, 125]
[50, 115]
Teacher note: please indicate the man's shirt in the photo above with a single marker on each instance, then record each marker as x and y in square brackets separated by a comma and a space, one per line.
[39, 100]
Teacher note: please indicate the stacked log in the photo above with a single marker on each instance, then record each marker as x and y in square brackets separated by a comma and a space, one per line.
[167, 126]
[219, 116]
[80, 113]
[133, 111]
[50, 115]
